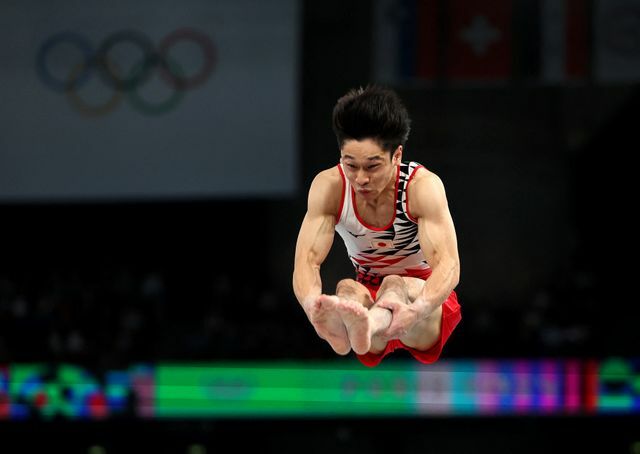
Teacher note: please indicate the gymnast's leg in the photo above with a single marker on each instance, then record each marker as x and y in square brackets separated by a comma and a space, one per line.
[424, 334]
[365, 322]
[354, 304]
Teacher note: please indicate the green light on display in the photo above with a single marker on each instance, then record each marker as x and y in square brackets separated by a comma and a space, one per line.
[282, 389]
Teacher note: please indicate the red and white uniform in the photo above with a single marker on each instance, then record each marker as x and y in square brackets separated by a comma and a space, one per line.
[379, 251]
[392, 249]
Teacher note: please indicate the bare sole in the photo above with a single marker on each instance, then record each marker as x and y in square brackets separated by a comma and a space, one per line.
[329, 325]
[356, 320]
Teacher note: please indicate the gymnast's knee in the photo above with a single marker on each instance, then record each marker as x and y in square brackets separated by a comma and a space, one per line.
[392, 279]
[346, 284]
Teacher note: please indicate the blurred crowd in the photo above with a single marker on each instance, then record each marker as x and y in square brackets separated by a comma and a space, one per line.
[121, 315]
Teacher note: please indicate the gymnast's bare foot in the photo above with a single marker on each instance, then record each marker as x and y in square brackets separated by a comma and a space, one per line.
[356, 320]
[328, 323]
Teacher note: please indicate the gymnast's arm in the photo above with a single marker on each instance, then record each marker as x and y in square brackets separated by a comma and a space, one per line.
[437, 235]
[315, 237]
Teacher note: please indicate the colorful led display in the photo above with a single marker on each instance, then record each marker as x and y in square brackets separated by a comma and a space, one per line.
[479, 387]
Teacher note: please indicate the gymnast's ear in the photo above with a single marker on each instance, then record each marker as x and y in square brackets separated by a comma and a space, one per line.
[396, 158]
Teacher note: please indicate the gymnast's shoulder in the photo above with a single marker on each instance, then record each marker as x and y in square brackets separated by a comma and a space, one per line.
[326, 190]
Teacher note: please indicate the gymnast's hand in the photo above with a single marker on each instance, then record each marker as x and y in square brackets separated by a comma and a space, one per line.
[403, 318]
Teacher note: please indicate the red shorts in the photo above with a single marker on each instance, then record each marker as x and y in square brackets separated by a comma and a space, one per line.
[451, 316]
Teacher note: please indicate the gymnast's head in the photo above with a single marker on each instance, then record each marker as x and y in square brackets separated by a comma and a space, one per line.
[375, 113]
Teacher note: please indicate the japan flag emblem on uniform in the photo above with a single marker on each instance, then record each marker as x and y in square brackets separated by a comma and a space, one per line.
[382, 244]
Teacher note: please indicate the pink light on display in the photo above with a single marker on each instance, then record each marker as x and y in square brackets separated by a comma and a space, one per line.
[4, 393]
[144, 386]
[549, 387]
[572, 386]
[489, 385]
[523, 399]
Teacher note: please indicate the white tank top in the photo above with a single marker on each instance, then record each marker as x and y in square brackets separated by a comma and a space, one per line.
[393, 249]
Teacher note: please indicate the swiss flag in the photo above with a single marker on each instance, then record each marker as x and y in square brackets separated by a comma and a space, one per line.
[479, 40]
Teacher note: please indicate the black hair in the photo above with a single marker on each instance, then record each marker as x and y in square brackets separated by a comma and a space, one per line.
[373, 112]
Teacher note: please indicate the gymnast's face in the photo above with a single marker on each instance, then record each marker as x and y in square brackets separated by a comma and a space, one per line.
[370, 169]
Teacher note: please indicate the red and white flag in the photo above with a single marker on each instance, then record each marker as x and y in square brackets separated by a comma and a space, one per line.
[479, 40]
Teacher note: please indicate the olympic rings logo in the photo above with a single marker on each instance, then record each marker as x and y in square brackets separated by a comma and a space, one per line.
[126, 82]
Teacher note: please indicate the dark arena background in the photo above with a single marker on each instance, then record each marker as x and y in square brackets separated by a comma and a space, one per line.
[154, 163]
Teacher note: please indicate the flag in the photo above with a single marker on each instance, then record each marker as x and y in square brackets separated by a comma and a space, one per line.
[479, 40]
[565, 41]
[406, 40]
[457, 40]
